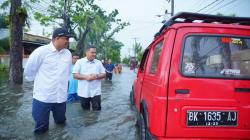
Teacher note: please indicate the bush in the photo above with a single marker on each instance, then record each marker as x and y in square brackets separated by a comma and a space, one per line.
[4, 68]
[4, 45]
[126, 60]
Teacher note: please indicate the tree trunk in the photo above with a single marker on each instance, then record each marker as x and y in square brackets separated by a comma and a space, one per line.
[66, 19]
[16, 49]
[81, 42]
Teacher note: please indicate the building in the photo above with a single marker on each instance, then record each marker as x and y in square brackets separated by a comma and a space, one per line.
[30, 43]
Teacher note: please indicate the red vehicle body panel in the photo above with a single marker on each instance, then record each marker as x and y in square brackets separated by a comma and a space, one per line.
[167, 111]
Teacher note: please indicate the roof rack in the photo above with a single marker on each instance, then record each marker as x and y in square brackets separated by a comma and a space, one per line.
[188, 17]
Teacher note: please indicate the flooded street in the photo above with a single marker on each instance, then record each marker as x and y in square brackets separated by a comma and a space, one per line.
[116, 120]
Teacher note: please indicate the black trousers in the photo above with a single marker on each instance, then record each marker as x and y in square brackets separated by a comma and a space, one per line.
[95, 102]
[109, 76]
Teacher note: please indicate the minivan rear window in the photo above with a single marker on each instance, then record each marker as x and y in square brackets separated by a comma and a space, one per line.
[216, 56]
[156, 57]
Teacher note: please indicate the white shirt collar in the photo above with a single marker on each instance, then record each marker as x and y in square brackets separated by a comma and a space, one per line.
[53, 48]
[88, 61]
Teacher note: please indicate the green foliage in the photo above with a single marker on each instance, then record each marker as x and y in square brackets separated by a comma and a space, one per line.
[5, 4]
[126, 60]
[43, 19]
[3, 21]
[138, 51]
[4, 45]
[4, 68]
[72, 45]
[2, 51]
[4, 42]
[22, 14]
[112, 50]
[139, 56]
[87, 17]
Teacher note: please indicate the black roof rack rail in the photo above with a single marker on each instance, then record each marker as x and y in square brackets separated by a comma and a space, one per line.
[188, 17]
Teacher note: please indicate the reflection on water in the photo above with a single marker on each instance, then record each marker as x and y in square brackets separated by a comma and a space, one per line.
[115, 121]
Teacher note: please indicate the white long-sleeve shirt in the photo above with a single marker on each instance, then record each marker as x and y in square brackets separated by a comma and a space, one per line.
[50, 70]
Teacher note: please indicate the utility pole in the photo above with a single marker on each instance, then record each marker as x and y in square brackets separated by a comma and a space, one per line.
[129, 52]
[172, 7]
[165, 16]
[135, 45]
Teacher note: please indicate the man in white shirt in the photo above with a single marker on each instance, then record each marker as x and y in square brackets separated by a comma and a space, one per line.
[49, 67]
[89, 72]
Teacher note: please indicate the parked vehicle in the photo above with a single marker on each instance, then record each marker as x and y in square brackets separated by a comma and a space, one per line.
[193, 80]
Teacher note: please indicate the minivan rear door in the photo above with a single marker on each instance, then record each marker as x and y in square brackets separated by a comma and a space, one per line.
[139, 81]
[209, 88]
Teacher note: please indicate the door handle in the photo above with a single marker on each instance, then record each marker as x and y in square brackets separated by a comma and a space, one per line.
[242, 89]
[182, 91]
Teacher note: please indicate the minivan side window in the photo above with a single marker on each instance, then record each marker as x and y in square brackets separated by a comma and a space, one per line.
[144, 60]
[156, 57]
[216, 57]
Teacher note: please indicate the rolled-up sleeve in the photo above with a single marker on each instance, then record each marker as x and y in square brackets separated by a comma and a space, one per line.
[32, 65]
[77, 67]
[102, 69]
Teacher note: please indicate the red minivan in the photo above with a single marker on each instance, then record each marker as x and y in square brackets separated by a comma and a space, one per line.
[193, 81]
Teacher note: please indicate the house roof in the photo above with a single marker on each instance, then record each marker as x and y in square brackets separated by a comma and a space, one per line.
[35, 39]
[26, 37]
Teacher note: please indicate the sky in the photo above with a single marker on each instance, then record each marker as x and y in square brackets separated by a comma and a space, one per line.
[141, 14]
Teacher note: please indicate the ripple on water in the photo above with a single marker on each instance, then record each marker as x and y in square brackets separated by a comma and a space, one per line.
[116, 121]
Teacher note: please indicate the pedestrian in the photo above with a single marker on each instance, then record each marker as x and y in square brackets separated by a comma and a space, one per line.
[49, 67]
[73, 83]
[89, 72]
[109, 70]
[119, 67]
[116, 69]
[105, 62]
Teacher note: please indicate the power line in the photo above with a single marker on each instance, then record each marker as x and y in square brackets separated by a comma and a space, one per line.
[219, 2]
[207, 6]
[197, 4]
[202, 1]
[225, 5]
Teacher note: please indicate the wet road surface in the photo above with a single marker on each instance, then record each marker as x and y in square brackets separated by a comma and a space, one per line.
[116, 120]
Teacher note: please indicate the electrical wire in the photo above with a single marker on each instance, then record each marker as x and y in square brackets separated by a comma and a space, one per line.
[207, 6]
[210, 9]
[197, 4]
[225, 5]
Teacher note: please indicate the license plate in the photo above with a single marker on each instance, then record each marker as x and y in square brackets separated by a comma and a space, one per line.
[212, 118]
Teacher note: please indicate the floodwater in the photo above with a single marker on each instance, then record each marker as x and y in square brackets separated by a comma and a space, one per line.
[116, 120]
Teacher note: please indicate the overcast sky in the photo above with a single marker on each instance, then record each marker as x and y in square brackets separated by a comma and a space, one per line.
[141, 14]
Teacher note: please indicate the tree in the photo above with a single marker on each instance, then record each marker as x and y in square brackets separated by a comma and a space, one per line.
[17, 18]
[126, 60]
[4, 42]
[138, 51]
[3, 21]
[111, 50]
[88, 22]
[18, 15]
[4, 45]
